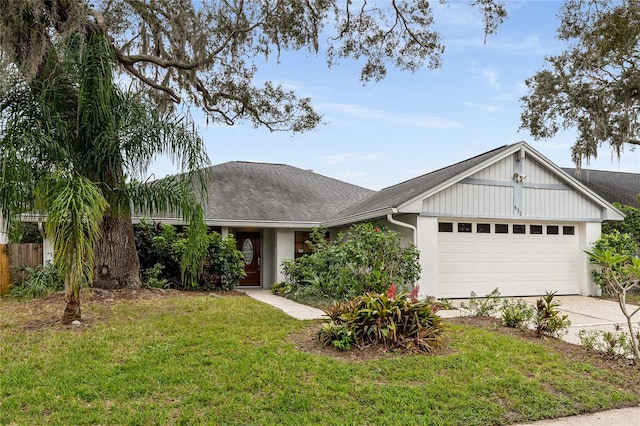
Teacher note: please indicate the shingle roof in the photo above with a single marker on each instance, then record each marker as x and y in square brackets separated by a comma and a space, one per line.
[276, 192]
[396, 195]
[617, 187]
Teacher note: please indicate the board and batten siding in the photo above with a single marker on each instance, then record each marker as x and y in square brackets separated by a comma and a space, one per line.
[558, 203]
[494, 193]
[471, 200]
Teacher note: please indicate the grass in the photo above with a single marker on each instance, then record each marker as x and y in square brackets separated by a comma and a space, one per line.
[207, 360]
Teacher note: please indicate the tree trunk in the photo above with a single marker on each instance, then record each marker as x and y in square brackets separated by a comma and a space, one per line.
[116, 259]
[72, 310]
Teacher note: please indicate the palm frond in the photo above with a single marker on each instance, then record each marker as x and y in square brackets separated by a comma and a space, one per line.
[74, 206]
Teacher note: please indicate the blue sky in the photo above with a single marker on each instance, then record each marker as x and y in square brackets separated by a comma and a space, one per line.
[410, 124]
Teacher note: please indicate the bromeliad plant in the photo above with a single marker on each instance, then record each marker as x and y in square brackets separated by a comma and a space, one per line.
[387, 319]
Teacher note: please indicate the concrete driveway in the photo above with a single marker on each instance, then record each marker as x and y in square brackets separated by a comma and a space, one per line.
[590, 313]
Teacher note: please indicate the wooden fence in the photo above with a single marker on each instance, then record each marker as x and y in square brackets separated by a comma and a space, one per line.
[4, 268]
[26, 254]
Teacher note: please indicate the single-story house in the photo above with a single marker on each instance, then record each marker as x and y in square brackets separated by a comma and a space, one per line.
[508, 218]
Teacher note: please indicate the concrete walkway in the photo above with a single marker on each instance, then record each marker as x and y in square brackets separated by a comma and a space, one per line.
[289, 307]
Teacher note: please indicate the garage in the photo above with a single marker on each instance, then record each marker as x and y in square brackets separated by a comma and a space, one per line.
[519, 258]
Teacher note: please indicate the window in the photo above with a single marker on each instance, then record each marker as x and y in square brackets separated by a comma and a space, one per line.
[568, 230]
[301, 246]
[483, 228]
[519, 229]
[445, 227]
[535, 229]
[552, 230]
[464, 227]
[502, 228]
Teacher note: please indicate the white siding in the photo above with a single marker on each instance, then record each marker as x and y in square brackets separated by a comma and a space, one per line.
[494, 193]
[500, 171]
[558, 203]
[471, 200]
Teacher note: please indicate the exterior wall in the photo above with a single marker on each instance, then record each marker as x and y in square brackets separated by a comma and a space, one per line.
[590, 232]
[428, 247]
[284, 249]
[268, 268]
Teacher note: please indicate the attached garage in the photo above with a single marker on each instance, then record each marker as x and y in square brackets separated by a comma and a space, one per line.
[507, 219]
[520, 259]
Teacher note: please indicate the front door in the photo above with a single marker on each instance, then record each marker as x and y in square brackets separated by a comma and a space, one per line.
[249, 245]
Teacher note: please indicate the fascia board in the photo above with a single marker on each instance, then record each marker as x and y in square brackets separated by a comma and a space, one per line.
[360, 217]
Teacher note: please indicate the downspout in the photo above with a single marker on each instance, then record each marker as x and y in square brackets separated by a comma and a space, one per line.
[414, 231]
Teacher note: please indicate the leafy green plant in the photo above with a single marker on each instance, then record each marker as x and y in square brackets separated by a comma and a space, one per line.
[151, 277]
[617, 243]
[367, 258]
[621, 274]
[614, 344]
[40, 281]
[547, 320]
[516, 314]
[224, 265]
[164, 244]
[630, 225]
[484, 307]
[387, 319]
[340, 336]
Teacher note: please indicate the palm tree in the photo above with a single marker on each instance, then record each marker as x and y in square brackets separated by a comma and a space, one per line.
[74, 122]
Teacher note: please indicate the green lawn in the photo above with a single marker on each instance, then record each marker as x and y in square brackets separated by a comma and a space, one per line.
[206, 360]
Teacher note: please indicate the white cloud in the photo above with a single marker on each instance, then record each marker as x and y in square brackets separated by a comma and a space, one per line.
[488, 108]
[491, 76]
[409, 120]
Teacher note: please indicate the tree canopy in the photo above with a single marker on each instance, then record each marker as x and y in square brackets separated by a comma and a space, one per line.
[207, 52]
[593, 85]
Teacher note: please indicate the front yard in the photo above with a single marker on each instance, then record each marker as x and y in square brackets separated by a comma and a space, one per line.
[185, 358]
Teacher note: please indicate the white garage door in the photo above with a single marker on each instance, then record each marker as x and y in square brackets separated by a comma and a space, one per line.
[523, 259]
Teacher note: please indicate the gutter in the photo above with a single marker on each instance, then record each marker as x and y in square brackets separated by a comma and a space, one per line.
[414, 231]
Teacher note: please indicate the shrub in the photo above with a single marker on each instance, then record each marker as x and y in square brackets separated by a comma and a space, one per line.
[151, 277]
[547, 318]
[367, 258]
[614, 344]
[630, 225]
[162, 244]
[397, 321]
[618, 244]
[516, 314]
[40, 281]
[224, 266]
[486, 307]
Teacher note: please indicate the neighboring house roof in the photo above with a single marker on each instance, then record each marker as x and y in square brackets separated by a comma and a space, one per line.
[263, 192]
[615, 187]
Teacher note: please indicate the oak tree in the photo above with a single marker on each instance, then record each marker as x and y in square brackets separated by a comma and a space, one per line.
[593, 86]
[206, 53]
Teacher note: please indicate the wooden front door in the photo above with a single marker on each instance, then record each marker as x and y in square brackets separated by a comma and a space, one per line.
[249, 245]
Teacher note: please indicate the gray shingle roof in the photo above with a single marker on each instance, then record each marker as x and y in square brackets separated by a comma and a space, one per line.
[276, 192]
[617, 187]
[396, 195]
